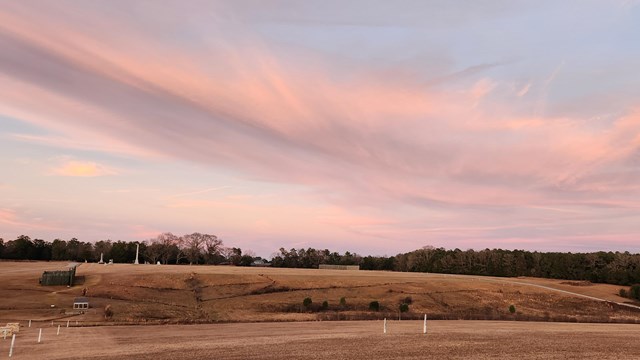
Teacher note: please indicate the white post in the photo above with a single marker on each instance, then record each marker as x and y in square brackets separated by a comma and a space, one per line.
[137, 249]
[13, 340]
[424, 327]
[40, 336]
[384, 328]
[67, 323]
[58, 333]
[29, 323]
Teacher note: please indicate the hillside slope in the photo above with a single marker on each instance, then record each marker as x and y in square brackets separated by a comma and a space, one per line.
[151, 293]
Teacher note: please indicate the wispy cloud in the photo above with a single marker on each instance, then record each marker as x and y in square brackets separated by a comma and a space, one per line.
[380, 140]
[200, 192]
[82, 169]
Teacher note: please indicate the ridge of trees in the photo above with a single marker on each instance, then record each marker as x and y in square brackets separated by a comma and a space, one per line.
[196, 248]
[620, 268]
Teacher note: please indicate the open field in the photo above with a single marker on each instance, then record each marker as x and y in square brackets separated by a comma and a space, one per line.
[334, 340]
[192, 294]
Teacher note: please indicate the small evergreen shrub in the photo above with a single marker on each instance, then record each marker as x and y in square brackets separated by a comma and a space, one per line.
[307, 302]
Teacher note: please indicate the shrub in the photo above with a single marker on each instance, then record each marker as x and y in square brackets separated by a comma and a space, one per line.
[512, 309]
[108, 312]
[325, 305]
[343, 301]
[623, 293]
[307, 302]
[374, 306]
[408, 300]
[404, 307]
[634, 292]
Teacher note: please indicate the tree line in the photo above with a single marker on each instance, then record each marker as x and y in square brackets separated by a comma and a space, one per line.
[620, 268]
[166, 248]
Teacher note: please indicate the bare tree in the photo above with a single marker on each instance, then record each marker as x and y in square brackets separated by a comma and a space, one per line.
[227, 253]
[154, 251]
[169, 245]
[194, 244]
[212, 248]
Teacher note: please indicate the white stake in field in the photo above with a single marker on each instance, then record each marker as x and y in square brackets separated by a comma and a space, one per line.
[424, 326]
[384, 326]
[58, 333]
[40, 336]
[13, 341]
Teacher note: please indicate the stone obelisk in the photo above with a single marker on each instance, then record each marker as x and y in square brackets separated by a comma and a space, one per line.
[137, 249]
[101, 260]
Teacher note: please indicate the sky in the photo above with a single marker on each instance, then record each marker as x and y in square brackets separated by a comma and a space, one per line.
[371, 126]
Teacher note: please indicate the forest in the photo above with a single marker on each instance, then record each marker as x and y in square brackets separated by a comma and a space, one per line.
[620, 268]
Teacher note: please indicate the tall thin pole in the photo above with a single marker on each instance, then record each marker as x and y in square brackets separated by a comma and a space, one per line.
[13, 341]
[384, 328]
[67, 323]
[40, 335]
[424, 327]
[29, 323]
[58, 333]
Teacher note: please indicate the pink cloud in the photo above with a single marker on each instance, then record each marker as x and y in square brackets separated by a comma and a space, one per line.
[82, 169]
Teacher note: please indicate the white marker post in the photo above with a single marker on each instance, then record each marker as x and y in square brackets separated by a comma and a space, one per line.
[13, 341]
[424, 327]
[29, 323]
[58, 333]
[67, 323]
[384, 327]
[40, 336]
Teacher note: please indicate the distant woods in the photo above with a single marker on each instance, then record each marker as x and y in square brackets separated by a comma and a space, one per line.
[603, 267]
[166, 248]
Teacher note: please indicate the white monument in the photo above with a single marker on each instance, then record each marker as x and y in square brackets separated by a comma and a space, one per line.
[137, 249]
[101, 259]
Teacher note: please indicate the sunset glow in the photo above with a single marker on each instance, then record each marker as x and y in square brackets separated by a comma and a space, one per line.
[375, 127]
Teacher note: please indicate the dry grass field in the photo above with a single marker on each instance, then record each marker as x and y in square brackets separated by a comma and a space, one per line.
[204, 294]
[334, 340]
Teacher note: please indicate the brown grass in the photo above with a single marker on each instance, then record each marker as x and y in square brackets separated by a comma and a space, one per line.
[335, 340]
[196, 294]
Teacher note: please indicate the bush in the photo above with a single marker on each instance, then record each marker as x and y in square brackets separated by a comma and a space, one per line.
[343, 301]
[408, 300]
[623, 293]
[325, 305]
[374, 306]
[512, 309]
[108, 312]
[404, 307]
[634, 292]
[307, 302]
